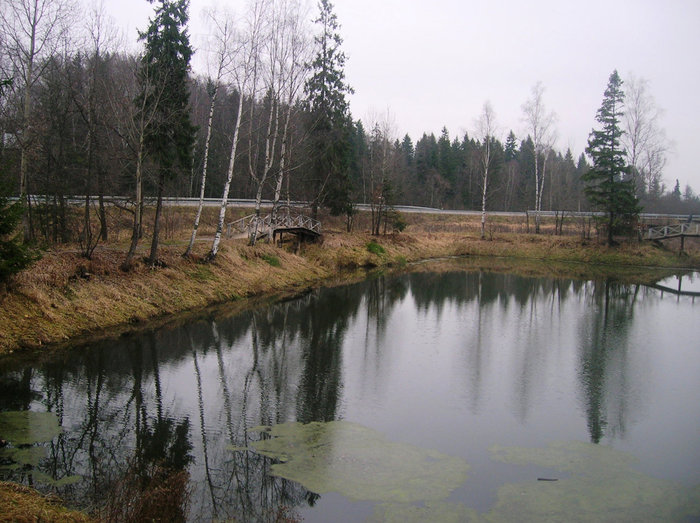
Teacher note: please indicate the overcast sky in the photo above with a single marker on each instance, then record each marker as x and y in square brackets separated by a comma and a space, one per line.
[433, 63]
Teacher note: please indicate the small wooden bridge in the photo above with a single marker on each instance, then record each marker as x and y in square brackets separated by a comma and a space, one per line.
[689, 229]
[666, 232]
[256, 227]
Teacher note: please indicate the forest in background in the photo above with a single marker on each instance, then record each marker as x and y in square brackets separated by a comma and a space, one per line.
[72, 124]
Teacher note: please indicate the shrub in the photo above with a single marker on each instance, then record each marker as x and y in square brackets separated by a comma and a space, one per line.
[375, 248]
[14, 255]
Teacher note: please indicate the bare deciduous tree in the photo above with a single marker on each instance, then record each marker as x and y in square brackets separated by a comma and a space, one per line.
[486, 130]
[33, 30]
[540, 123]
[644, 140]
[222, 52]
[245, 71]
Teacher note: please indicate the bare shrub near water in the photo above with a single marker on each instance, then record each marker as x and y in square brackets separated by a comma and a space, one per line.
[161, 494]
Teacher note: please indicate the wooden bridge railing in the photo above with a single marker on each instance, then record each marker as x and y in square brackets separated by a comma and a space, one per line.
[259, 226]
[673, 231]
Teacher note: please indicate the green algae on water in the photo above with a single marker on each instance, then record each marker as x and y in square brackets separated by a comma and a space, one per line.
[25, 431]
[602, 486]
[359, 463]
[441, 511]
[27, 427]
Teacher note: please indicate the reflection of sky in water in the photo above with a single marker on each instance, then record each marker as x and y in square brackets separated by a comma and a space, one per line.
[688, 282]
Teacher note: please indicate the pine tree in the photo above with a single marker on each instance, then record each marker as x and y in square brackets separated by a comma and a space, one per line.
[164, 74]
[14, 254]
[607, 186]
[329, 119]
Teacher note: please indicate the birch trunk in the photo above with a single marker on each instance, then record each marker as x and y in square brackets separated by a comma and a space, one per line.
[229, 176]
[198, 216]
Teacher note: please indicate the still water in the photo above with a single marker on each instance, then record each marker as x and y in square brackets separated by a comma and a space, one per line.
[431, 395]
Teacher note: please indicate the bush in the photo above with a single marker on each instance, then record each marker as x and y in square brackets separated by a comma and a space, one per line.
[375, 248]
[397, 221]
[14, 255]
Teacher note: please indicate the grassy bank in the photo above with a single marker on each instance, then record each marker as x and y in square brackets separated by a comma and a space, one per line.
[20, 504]
[64, 297]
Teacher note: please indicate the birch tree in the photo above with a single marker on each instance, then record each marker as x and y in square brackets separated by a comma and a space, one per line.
[245, 70]
[539, 123]
[284, 76]
[223, 51]
[486, 129]
[270, 63]
[33, 30]
[294, 57]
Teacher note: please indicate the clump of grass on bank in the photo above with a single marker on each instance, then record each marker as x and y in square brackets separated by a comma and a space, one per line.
[20, 504]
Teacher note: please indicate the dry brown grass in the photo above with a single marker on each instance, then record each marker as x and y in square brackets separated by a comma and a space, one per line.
[20, 504]
[64, 296]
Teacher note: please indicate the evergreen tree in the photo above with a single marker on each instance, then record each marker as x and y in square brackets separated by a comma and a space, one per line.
[606, 185]
[163, 76]
[329, 120]
[511, 147]
[676, 194]
[14, 254]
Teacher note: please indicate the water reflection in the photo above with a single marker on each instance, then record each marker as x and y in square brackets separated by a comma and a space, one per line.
[496, 357]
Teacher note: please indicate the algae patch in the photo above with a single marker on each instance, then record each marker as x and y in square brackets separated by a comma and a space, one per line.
[603, 487]
[358, 462]
[26, 427]
[25, 431]
[442, 511]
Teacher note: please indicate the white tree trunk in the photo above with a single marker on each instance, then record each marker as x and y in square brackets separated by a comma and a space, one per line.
[204, 172]
[229, 176]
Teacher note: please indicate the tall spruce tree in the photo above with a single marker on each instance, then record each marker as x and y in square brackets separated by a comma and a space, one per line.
[330, 124]
[164, 72]
[607, 186]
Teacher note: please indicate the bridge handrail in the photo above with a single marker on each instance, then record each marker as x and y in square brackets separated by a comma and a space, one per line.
[665, 231]
[254, 224]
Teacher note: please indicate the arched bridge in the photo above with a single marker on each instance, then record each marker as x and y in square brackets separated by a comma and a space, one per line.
[256, 227]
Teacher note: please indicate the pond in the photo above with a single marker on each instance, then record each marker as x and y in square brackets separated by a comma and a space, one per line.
[439, 394]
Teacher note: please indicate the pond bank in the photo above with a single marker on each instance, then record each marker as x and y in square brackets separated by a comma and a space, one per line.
[65, 297]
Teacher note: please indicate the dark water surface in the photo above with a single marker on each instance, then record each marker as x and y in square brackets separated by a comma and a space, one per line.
[594, 384]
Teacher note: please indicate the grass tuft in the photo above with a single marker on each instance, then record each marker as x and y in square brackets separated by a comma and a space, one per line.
[375, 248]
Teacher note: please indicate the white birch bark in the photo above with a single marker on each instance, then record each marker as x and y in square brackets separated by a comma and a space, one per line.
[224, 35]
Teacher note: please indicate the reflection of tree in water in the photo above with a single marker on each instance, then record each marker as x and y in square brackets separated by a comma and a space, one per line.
[604, 331]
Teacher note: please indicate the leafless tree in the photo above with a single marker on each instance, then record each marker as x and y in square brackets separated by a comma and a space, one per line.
[380, 164]
[486, 130]
[644, 139]
[245, 72]
[222, 52]
[540, 125]
[294, 57]
[103, 39]
[132, 124]
[33, 30]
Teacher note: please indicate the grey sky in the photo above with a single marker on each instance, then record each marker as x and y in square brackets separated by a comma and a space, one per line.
[434, 63]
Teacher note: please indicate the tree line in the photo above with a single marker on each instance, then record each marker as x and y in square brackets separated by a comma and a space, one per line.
[269, 119]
